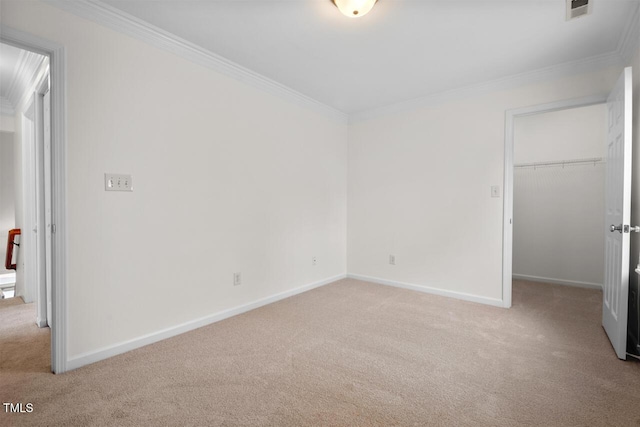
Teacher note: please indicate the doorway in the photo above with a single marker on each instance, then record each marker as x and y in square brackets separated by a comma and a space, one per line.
[559, 197]
[511, 115]
[618, 146]
[25, 151]
[57, 226]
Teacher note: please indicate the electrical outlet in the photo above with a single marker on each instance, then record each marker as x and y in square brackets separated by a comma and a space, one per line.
[392, 259]
[118, 182]
[314, 261]
[236, 279]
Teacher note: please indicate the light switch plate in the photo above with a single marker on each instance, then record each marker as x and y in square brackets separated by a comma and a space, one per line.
[118, 182]
[495, 191]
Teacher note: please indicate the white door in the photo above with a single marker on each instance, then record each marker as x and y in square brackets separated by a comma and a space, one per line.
[46, 107]
[618, 214]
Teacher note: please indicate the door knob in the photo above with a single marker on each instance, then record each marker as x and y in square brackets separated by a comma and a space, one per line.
[626, 228]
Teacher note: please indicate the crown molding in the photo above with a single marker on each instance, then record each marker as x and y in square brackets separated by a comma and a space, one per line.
[37, 71]
[123, 22]
[630, 40]
[593, 63]
[627, 46]
[113, 18]
[24, 74]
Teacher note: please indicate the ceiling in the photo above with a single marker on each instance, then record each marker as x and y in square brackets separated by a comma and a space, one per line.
[401, 50]
[18, 69]
[9, 58]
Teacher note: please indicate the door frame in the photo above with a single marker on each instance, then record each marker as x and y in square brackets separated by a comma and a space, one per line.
[42, 185]
[29, 249]
[57, 70]
[33, 250]
[507, 217]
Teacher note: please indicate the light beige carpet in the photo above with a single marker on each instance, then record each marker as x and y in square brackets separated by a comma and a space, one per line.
[24, 347]
[355, 353]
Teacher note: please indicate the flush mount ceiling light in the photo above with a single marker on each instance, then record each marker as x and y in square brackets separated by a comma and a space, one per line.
[354, 8]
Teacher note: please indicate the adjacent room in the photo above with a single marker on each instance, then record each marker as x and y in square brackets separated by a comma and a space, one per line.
[328, 212]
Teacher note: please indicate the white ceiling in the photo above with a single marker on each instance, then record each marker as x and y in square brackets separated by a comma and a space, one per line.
[18, 69]
[401, 50]
[9, 58]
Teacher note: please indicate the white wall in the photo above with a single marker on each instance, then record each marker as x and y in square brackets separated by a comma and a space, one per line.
[558, 212]
[7, 123]
[575, 133]
[7, 199]
[7, 182]
[419, 188]
[227, 179]
[18, 193]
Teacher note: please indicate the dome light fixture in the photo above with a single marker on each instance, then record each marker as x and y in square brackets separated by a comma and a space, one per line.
[354, 8]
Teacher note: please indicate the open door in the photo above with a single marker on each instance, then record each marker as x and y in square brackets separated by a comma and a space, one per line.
[618, 213]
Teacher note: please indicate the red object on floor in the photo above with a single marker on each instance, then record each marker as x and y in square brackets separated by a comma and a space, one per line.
[10, 244]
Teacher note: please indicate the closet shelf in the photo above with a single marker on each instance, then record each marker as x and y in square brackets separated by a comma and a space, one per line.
[561, 163]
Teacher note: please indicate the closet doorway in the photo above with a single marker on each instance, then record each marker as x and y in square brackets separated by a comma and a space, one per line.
[617, 199]
[559, 196]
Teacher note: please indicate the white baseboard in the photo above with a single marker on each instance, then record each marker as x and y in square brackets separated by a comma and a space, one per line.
[123, 347]
[428, 290]
[574, 283]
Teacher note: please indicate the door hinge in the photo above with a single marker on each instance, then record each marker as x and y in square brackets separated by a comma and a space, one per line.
[53, 228]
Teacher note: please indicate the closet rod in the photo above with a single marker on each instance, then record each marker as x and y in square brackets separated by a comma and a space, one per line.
[593, 161]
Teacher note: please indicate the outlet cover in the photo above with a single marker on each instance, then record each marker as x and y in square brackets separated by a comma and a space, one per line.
[392, 259]
[236, 279]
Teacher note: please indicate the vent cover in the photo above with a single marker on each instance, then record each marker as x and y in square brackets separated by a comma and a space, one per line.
[578, 8]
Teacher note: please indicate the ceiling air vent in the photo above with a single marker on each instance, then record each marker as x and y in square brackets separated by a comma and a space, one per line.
[578, 8]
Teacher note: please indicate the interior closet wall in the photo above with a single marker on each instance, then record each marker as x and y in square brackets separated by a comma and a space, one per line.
[559, 196]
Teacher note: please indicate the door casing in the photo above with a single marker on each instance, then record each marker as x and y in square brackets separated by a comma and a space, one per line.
[42, 186]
